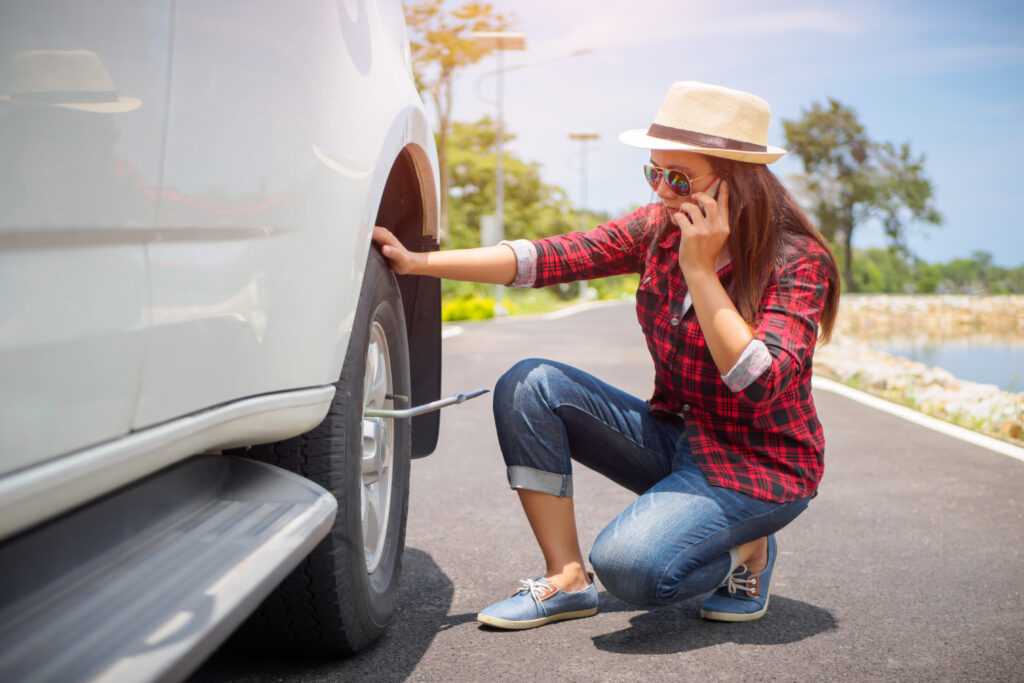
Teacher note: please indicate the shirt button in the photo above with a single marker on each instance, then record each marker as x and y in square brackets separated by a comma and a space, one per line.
[646, 280]
[686, 407]
[674, 321]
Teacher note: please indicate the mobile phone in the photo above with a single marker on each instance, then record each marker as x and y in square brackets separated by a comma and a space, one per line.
[712, 191]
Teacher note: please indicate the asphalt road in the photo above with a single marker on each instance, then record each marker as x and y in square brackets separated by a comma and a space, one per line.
[908, 565]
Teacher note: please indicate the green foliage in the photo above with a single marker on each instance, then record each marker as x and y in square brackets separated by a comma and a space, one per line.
[471, 301]
[441, 42]
[879, 270]
[441, 45]
[867, 277]
[527, 301]
[456, 289]
[468, 308]
[533, 208]
[850, 179]
[927, 278]
[617, 287]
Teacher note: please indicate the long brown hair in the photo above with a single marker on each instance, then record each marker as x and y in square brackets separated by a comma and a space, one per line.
[766, 226]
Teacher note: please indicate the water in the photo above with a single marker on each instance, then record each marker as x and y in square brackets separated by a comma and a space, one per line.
[999, 363]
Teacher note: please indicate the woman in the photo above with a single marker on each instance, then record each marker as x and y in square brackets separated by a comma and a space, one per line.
[735, 286]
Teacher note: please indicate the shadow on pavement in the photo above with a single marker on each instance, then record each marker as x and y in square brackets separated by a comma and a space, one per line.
[425, 595]
[679, 628]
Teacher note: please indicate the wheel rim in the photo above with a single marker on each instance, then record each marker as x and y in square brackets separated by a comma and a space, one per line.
[378, 449]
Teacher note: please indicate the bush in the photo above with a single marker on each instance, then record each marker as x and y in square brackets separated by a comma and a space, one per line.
[473, 301]
[468, 308]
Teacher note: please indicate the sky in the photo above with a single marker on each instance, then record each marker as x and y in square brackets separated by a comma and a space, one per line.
[945, 77]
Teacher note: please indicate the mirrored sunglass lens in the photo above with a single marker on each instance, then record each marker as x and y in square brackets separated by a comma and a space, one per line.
[679, 183]
[653, 176]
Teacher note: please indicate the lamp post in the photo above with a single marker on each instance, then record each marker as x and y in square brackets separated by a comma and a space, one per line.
[583, 138]
[499, 41]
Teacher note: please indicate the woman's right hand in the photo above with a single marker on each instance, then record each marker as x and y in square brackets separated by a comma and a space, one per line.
[401, 260]
[495, 265]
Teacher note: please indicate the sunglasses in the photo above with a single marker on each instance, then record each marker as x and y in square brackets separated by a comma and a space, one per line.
[678, 182]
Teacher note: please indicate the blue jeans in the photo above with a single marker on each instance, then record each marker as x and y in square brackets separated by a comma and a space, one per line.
[673, 542]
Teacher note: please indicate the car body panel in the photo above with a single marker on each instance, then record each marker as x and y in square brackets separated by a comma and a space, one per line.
[34, 494]
[269, 221]
[222, 221]
[73, 292]
[188, 190]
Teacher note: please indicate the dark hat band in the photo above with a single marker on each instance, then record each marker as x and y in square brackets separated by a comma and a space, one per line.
[690, 137]
[65, 96]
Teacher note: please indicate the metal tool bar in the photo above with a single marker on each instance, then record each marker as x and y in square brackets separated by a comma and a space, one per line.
[425, 408]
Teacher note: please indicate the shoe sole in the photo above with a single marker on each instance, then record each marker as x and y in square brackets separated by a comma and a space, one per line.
[488, 620]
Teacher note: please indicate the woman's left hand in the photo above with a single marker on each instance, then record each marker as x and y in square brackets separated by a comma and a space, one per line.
[703, 236]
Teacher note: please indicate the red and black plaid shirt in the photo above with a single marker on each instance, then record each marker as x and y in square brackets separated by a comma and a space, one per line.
[764, 439]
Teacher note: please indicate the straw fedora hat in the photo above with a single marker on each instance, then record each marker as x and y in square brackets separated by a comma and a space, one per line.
[72, 79]
[712, 120]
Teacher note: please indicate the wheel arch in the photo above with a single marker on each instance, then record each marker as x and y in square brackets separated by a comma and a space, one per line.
[409, 208]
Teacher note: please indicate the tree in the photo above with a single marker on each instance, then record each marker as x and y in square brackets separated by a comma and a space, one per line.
[441, 45]
[533, 208]
[880, 270]
[926, 277]
[851, 179]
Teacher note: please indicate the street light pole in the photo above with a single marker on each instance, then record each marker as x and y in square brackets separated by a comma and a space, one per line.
[500, 41]
[583, 138]
[499, 164]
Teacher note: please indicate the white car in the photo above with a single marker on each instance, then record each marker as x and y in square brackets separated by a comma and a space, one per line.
[188, 291]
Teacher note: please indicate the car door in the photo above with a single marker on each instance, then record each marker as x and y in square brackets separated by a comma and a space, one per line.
[271, 147]
[82, 96]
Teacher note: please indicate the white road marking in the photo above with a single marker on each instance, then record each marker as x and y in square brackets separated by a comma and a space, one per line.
[917, 418]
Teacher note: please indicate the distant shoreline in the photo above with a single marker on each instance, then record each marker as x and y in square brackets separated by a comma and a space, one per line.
[937, 316]
[850, 359]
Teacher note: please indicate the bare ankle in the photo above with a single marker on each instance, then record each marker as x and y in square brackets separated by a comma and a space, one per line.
[759, 560]
[571, 577]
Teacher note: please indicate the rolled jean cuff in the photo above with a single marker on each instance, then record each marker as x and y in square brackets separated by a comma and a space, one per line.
[532, 479]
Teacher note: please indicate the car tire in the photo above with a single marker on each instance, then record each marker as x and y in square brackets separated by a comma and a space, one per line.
[343, 595]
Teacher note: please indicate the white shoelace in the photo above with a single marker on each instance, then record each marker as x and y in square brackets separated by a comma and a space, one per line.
[528, 585]
[535, 586]
[734, 582]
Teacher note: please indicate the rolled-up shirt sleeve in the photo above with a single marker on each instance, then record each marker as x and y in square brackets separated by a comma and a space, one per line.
[754, 360]
[526, 262]
[612, 248]
[786, 334]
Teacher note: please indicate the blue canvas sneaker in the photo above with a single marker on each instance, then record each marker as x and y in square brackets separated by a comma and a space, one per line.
[538, 602]
[743, 596]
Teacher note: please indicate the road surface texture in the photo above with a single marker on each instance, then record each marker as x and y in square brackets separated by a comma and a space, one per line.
[907, 566]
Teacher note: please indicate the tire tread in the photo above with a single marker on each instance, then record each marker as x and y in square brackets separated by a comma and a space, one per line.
[311, 612]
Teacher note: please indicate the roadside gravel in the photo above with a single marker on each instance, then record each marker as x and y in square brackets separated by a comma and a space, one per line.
[849, 357]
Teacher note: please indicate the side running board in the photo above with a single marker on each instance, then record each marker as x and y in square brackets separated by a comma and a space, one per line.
[144, 584]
